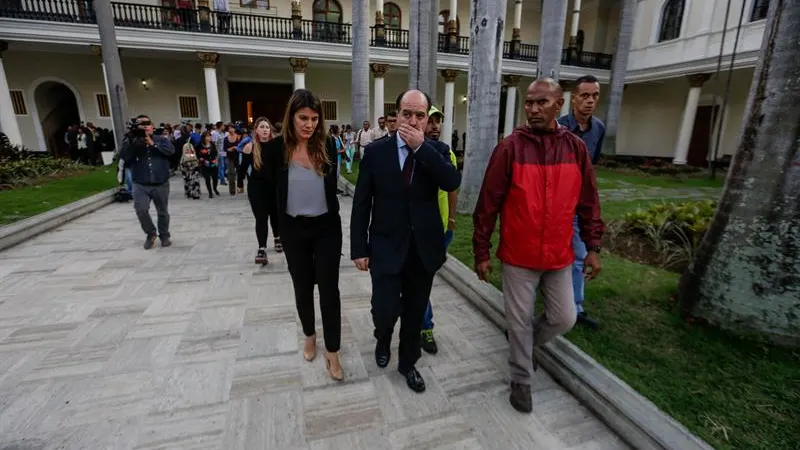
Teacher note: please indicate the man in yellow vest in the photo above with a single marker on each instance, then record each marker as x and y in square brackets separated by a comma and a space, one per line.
[447, 208]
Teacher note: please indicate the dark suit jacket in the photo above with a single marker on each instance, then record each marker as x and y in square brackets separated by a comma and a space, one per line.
[385, 211]
[278, 175]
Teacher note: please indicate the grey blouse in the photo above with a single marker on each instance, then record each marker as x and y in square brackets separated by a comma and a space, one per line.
[306, 192]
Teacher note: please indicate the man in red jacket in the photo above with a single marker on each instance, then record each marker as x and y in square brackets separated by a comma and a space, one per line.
[537, 180]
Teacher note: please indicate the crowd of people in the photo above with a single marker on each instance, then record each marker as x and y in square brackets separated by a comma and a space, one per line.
[85, 143]
[540, 181]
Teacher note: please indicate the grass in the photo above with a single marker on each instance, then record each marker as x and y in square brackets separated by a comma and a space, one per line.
[733, 392]
[21, 203]
[611, 178]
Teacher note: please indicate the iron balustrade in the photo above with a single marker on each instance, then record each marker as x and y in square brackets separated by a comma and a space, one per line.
[157, 17]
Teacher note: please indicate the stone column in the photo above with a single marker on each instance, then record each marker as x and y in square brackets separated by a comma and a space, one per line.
[573, 31]
[8, 120]
[379, 72]
[297, 20]
[452, 28]
[511, 82]
[299, 66]
[380, 26]
[566, 88]
[696, 82]
[449, 76]
[210, 61]
[516, 40]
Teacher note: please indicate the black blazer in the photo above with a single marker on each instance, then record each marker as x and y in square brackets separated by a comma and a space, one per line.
[278, 176]
[385, 211]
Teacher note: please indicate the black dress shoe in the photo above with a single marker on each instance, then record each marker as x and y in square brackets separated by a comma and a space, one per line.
[382, 356]
[414, 379]
[585, 320]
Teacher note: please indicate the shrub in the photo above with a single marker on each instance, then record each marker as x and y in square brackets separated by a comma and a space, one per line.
[19, 166]
[691, 218]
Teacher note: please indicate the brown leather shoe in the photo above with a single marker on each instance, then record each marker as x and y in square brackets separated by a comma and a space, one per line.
[520, 397]
[333, 366]
[310, 348]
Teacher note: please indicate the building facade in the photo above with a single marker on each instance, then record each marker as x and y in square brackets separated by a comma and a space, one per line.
[255, 52]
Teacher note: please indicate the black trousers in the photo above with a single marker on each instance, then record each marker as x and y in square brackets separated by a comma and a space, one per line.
[263, 212]
[313, 248]
[402, 296]
[211, 174]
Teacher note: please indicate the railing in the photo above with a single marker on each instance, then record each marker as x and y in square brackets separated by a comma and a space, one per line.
[253, 25]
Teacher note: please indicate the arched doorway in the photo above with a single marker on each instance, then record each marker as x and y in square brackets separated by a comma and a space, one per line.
[56, 109]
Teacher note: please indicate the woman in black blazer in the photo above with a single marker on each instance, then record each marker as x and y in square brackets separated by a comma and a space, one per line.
[302, 162]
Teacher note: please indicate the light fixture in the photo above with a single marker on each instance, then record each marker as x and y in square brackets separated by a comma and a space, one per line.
[145, 85]
[463, 99]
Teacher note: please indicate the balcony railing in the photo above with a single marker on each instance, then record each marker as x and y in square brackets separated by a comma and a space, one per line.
[237, 24]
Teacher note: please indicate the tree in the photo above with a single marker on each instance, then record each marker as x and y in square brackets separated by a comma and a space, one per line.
[619, 67]
[420, 35]
[360, 65]
[746, 273]
[486, 24]
[551, 40]
[118, 99]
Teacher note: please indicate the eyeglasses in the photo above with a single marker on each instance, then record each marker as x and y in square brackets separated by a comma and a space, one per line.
[145, 123]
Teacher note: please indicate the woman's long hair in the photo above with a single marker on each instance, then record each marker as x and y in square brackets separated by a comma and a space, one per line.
[317, 144]
[257, 160]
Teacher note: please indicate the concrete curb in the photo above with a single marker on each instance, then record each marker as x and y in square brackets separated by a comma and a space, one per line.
[634, 418]
[14, 233]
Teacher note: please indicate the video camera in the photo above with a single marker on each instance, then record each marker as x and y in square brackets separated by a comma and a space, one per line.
[134, 132]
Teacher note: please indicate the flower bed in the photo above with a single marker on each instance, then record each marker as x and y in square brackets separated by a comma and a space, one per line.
[21, 167]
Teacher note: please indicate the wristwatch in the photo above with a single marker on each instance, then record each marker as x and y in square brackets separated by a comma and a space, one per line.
[594, 248]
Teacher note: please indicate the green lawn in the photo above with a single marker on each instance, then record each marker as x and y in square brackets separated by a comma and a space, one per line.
[18, 204]
[611, 178]
[732, 392]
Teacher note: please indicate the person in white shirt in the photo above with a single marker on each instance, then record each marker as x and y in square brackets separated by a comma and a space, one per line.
[349, 147]
[223, 16]
[363, 138]
[381, 131]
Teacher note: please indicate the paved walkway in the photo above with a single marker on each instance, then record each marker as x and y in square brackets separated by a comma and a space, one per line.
[104, 345]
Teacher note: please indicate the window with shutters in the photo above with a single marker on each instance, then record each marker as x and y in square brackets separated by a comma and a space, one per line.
[330, 110]
[103, 108]
[18, 102]
[187, 105]
[671, 20]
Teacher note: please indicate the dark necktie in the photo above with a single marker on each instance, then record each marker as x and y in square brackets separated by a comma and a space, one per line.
[408, 167]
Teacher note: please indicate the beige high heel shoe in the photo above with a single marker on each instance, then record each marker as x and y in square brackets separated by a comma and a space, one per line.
[333, 366]
[310, 348]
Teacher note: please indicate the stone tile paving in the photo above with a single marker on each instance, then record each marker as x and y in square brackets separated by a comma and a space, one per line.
[104, 345]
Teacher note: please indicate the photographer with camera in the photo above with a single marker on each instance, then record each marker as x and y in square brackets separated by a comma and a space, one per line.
[148, 156]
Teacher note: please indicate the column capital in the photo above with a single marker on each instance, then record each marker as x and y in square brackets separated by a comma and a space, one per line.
[379, 70]
[378, 18]
[511, 80]
[698, 79]
[299, 65]
[449, 75]
[209, 60]
[3, 47]
[297, 8]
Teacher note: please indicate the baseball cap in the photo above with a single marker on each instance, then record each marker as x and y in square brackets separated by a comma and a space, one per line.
[433, 111]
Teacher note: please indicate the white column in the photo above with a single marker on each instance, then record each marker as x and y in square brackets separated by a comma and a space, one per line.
[379, 73]
[449, 76]
[299, 66]
[511, 82]
[576, 17]
[689, 113]
[453, 14]
[518, 14]
[210, 61]
[379, 6]
[566, 89]
[8, 120]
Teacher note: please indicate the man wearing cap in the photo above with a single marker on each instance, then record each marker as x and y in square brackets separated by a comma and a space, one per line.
[447, 209]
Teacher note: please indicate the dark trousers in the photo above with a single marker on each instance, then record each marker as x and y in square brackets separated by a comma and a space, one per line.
[263, 212]
[405, 296]
[313, 248]
[159, 194]
[231, 167]
[210, 174]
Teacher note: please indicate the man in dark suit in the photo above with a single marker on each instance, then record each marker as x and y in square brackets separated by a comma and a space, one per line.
[396, 229]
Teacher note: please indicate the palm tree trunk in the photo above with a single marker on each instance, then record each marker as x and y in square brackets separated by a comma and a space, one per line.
[360, 66]
[551, 41]
[619, 67]
[434, 52]
[419, 45]
[746, 272]
[486, 25]
[118, 99]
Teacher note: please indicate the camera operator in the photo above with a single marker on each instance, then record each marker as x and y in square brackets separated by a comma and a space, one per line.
[148, 156]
